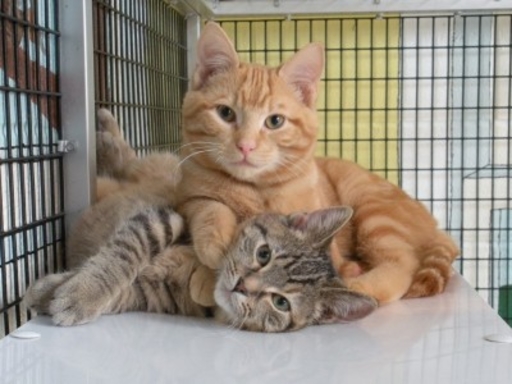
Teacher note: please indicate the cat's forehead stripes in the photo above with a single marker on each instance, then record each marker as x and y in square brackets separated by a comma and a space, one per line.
[254, 86]
[261, 228]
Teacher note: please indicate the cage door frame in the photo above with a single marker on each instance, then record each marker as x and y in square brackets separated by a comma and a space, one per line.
[77, 106]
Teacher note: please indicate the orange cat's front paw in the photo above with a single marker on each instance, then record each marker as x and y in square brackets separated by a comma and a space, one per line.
[212, 226]
[210, 255]
[202, 286]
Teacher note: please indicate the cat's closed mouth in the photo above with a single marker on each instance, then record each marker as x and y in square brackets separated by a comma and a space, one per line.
[244, 163]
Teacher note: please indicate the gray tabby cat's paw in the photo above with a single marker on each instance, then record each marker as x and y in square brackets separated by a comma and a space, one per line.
[107, 122]
[113, 154]
[40, 294]
[77, 302]
[109, 157]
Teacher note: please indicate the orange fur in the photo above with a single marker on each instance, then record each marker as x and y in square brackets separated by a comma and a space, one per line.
[392, 247]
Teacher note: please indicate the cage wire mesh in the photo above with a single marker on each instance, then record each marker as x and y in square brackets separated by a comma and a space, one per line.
[141, 69]
[425, 101]
[140, 74]
[31, 207]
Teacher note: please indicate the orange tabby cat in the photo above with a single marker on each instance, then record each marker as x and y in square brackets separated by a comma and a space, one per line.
[250, 134]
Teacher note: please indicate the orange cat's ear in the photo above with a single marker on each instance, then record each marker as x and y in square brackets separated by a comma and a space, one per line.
[303, 71]
[320, 226]
[215, 54]
[338, 305]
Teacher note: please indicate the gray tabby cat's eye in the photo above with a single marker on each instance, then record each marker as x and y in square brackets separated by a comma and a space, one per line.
[263, 255]
[274, 121]
[280, 302]
[226, 113]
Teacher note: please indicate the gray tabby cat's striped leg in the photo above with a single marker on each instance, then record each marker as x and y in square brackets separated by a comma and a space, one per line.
[98, 284]
[162, 286]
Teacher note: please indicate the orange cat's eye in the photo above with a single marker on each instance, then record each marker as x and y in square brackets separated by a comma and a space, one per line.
[274, 121]
[226, 113]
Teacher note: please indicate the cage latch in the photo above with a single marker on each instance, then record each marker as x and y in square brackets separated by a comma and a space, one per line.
[65, 146]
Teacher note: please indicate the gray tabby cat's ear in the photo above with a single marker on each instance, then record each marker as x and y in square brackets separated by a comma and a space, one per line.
[215, 54]
[303, 71]
[337, 305]
[320, 226]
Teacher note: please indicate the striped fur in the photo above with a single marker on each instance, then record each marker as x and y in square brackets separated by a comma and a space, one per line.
[238, 167]
[139, 268]
[142, 269]
[122, 253]
[124, 256]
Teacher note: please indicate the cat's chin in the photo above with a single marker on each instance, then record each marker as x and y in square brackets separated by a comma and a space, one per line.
[244, 171]
[224, 299]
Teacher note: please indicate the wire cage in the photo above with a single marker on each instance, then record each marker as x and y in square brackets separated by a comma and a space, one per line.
[31, 200]
[423, 99]
[140, 74]
[141, 69]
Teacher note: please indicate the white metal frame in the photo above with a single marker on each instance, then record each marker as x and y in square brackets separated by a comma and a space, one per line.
[77, 105]
[234, 8]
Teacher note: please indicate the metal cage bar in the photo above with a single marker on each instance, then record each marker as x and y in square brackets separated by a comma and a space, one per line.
[77, 107]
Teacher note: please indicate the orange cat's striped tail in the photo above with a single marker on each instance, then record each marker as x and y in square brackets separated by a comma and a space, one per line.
[435, 268]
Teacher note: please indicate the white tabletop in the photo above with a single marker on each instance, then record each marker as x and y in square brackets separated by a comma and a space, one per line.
[432, 341]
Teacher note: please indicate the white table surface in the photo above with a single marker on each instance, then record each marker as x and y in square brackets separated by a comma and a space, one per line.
[433, 340]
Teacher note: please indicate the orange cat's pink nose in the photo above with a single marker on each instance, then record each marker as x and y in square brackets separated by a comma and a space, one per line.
[246, 147]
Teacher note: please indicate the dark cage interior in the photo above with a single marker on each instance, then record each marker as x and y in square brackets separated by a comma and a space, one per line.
[425, 101]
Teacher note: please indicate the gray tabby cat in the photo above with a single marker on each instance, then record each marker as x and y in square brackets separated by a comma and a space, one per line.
[126, 256]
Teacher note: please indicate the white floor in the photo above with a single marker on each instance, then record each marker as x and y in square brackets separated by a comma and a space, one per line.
[435, 340]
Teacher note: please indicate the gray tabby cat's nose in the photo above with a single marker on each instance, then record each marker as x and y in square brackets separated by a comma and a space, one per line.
[240, 287]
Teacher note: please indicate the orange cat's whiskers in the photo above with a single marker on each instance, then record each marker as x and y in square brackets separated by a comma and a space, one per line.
[177, 167]
[218, 158]
[289, 165]
[298, 162]
[202, 144]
